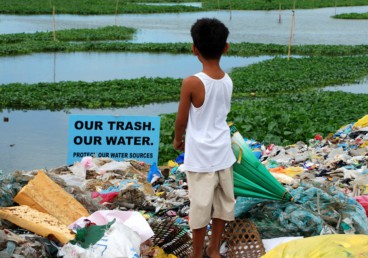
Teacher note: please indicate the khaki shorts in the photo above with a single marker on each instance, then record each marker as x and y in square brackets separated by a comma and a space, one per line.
[211, 195]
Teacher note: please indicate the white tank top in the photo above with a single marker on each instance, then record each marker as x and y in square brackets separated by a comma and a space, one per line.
[207, 139]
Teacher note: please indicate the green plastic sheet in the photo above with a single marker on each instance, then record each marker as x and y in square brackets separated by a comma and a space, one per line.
[90, 235]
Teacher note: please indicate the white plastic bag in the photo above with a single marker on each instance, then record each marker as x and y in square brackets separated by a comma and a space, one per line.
[132, 219]
[118, 241]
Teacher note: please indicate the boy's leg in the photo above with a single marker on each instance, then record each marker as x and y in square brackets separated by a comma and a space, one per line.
[198, 241]
[223, 204]
[213, 249]
[201, 188]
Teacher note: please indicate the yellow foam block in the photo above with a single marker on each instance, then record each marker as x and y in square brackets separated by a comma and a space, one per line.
[37, 222]
[44, 195]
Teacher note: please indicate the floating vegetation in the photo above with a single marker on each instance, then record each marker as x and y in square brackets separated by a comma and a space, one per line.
[103, 40]
[274, 5]
[83, 7]
[352, 16]
[274, 101]
[283, 119]
[270, 77]
[93, 95]
[288, 118]
[279, 75]
[104, 33]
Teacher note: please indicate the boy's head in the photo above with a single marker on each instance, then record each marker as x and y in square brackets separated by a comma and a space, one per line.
[209, 37]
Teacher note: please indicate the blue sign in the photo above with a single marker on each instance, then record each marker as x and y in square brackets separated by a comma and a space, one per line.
[116, 137]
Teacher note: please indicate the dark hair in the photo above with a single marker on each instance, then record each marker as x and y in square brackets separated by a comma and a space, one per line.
[209, 37]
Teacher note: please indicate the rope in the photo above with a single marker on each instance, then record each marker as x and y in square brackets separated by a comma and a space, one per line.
[240, 154]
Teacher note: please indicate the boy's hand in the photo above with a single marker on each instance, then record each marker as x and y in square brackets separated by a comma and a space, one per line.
[179, 145]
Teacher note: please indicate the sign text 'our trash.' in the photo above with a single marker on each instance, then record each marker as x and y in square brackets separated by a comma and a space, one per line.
[115, 137]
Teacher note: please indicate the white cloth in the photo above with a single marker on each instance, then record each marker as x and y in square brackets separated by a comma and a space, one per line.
[208, 140]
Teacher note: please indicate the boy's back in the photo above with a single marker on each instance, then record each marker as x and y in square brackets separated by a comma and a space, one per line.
[207, 140]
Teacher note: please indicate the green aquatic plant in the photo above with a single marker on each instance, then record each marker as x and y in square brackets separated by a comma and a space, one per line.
[280, 118]
[288, 118]
[104, 94]
[87, 7]
[280, 107]
[271, 77]
[274, 4]
[283, 119]
[279, 75]
[103, 33]
[113, 38]
[352, 16]
[96, 7]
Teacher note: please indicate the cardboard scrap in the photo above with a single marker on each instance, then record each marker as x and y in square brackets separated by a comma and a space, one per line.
[44, 195]
[38, 222]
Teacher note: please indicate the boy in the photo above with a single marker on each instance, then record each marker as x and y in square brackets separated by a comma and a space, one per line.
[204, 104]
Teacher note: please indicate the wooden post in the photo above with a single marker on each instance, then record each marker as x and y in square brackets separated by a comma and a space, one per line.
[116, 12]
[230, 9]
[291, 31]
[54, 67]
[335, 6]
[53, 23]
[280, 12]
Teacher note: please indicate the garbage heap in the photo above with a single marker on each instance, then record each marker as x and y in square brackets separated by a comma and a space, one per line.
[100, 207]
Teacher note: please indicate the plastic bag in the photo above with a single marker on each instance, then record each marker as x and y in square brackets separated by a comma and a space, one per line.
[132, 219]
[118, 241]
[282, 178]
[269, 244]
[160, 253]
[293, 171]
[172, 164]
[180, 159]
[363, 122]
[363, 200]
[323, 247]
[10, 185]
[154, 173]
[80, 168]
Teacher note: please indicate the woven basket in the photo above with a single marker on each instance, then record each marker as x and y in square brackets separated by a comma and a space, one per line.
[171, 238]
[242, 239]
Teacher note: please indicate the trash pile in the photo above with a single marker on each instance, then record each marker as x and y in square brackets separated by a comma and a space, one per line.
[328, 180]
[101, 207]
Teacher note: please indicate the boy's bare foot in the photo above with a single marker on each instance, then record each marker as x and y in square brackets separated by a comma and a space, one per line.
[210, 253]
[194, 255]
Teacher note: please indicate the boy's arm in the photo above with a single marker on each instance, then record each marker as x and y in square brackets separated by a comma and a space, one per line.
[183, 113]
